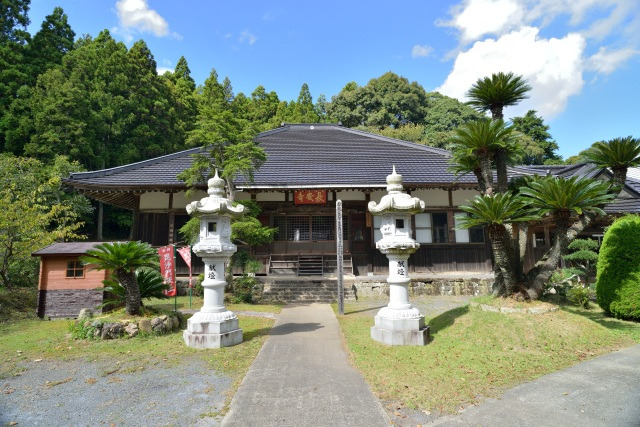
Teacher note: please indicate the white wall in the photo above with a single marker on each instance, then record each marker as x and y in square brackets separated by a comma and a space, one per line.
[350, 195]
[180, 201]
[432, 197]
[460, 197]
[154, 200]
[270, 197]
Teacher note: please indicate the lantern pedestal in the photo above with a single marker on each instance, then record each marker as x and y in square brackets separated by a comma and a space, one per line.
[399, 323]
[214, 326]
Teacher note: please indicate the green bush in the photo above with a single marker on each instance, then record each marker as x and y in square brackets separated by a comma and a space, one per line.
[18, 303]
[580, 296]
[618, 278]
[243, 289]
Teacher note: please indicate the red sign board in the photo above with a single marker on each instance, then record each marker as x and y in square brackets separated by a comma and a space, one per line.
[185, 253]
[310, 197]
[168, 268]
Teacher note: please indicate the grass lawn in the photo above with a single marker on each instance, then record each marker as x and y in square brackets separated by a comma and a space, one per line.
[476, 354]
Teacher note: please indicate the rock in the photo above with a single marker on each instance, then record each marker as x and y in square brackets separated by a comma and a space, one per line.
[85, 313]
[163, 318]
[168, 324]
[181, 319]
[512, 310]
[111, 331]
[144, 326]
[157, 325]
[131, 329]
[490, 308]
[176, 323]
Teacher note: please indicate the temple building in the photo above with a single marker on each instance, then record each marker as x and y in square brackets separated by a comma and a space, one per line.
[308, 168]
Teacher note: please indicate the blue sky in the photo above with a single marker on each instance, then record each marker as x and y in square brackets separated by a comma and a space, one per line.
[582, 57]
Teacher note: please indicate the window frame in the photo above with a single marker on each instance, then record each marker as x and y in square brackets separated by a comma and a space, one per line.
[74, 266]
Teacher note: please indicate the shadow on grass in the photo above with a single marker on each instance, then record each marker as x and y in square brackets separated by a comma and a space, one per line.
[601, 319]
[446, 319]
[365, 309]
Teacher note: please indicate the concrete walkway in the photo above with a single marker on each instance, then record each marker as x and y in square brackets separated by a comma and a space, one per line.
[604, 391]
[302, 377]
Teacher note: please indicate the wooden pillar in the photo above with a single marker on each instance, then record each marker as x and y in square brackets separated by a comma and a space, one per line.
[100, 222]
[451, 223]
[134, 235]
[172, 218]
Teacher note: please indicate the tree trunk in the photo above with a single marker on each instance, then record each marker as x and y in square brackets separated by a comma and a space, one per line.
[540, 274]
[619, 175]
[487, 174]
[132, 292]
[231, 191]
[481, 182]
[501, 170]
[502, 254]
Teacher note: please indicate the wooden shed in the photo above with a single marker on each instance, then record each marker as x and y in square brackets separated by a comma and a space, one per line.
[66, 285]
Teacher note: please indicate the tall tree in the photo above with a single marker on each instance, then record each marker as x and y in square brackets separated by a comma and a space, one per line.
[14, 71]
[533, 126]
[389, 100]
[51, 43]
[228, 139]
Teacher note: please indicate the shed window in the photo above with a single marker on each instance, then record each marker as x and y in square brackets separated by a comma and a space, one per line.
[432, 227]
[75, 269]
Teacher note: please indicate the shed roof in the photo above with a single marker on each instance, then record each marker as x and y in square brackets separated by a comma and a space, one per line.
[66, 248]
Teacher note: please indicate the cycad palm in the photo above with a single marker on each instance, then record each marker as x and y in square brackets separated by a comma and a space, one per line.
[496, 92]
[619, 154]
[494, 212]
[562, 198]
[122, 260]
[484, 139]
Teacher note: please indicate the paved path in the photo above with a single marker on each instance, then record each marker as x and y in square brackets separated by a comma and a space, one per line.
[302, 377]
[604, 391]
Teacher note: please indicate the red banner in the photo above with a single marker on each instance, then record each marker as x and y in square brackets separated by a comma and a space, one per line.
[185, 253]
[168, 268]
[310, 197]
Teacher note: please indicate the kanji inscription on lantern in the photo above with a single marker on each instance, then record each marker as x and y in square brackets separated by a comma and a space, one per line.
[401, 268]
[310, 197]
[212, 271]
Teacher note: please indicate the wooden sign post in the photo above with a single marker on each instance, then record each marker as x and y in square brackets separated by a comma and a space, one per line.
[339, 251]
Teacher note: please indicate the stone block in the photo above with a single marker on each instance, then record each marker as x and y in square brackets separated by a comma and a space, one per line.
[393, 324]
[202, 341]
[416, 337]
[212, 327]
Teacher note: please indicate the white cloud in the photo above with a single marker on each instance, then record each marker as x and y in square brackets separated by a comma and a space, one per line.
[248, 37]
[136, 15]
[162, 70]
[606, 61]
[476, 18]
[553, 68]
[420, 51]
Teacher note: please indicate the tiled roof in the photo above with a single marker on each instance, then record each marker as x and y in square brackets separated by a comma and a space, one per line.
[310, 155]
[298, 156]
[67, 248]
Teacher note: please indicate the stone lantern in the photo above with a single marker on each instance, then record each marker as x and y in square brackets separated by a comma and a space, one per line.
[214, 326]
[399, 323]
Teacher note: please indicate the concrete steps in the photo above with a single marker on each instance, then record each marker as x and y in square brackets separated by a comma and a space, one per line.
[323, 291]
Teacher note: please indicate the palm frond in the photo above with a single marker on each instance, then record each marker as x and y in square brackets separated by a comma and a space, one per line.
[498, 91]
[617, 152]
[495, 209]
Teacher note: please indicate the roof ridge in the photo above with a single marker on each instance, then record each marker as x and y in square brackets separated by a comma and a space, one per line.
[409, 144]
[130, 166]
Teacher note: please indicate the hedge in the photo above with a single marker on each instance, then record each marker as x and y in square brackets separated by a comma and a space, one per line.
[618, 276]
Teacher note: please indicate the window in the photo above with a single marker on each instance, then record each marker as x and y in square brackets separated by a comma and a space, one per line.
[538, 239]
[440, 227]
[432, 227]
[423, 228]
[300, 228]
[75, 269]
[468, 235]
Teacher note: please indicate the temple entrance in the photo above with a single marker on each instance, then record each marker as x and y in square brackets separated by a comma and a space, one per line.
[308, 234]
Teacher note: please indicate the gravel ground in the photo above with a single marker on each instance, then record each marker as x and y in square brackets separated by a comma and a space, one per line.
[78, 393]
